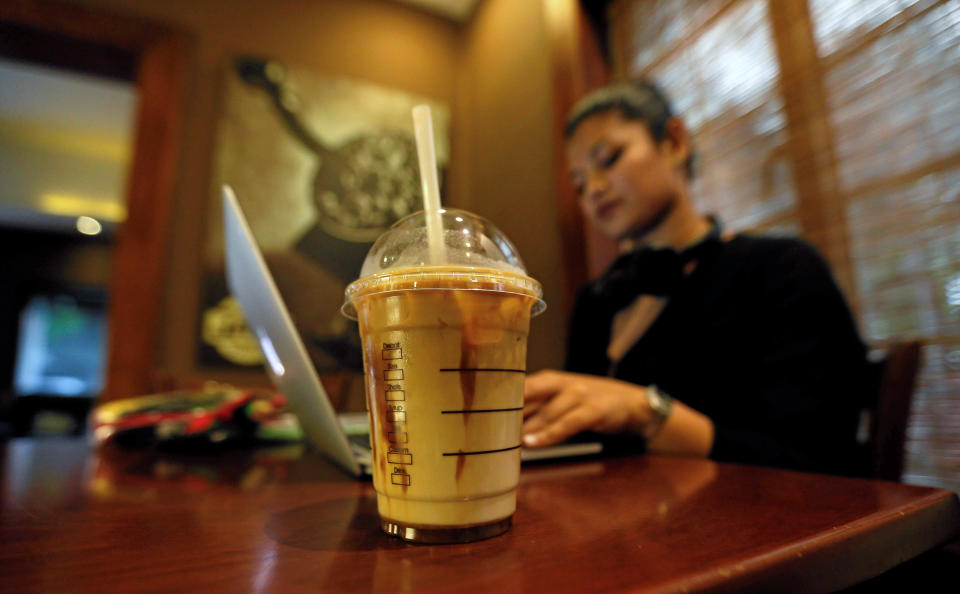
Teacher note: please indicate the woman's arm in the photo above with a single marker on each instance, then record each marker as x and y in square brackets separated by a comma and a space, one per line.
[558, 405]
[797, 396]
[803, 381]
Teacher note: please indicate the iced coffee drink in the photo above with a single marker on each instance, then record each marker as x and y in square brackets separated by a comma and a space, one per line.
[444, 359]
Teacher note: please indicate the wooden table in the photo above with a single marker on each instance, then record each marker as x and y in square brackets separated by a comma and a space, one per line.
[76, 520]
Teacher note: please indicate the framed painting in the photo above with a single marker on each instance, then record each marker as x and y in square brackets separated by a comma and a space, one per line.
[321, 165]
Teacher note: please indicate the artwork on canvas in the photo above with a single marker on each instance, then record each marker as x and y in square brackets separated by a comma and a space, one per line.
[321, 165]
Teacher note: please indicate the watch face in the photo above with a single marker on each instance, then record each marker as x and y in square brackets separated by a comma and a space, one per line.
[660, 406]
[366, 185]
[654, 397]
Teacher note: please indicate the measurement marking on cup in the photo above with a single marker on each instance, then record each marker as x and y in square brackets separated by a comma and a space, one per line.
[482, 451]
[484, 369]
[395, 395]
[399, 458]
[479, 410]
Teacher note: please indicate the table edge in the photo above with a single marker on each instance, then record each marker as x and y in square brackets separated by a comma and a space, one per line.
[914, 528]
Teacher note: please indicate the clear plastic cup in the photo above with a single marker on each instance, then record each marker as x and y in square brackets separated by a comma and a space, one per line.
[445, 348]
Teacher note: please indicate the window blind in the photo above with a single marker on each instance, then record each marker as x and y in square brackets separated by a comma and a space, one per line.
[874, 115]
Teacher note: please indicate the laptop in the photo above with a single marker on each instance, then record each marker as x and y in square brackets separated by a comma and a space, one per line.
[344, 438]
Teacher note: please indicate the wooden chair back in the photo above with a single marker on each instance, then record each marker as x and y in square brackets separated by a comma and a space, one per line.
[896, 377]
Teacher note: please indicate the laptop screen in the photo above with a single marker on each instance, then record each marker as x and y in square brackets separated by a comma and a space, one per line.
[288, 363]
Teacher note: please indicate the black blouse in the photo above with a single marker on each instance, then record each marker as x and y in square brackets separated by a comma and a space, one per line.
[760, 339]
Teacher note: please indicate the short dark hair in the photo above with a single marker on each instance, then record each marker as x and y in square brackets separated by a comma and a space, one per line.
[634, 100]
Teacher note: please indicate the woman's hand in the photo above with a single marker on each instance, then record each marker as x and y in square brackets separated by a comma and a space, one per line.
[558, 405]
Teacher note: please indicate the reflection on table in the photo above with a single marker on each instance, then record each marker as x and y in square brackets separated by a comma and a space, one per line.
[280, 519]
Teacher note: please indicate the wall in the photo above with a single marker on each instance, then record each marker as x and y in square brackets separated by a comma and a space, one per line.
[494, 72]
[505, 149]
[377, 41]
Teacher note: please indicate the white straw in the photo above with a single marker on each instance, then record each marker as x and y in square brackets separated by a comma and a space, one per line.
[423, 128]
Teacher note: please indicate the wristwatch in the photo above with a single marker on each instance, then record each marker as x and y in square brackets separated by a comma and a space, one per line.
[660, 406]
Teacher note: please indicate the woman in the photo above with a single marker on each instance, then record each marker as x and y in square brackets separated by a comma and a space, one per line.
[694, 342]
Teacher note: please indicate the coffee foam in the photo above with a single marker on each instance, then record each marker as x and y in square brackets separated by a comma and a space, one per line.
[462, 278]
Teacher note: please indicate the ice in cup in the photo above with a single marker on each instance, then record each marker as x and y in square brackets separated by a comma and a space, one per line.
[445, 349]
